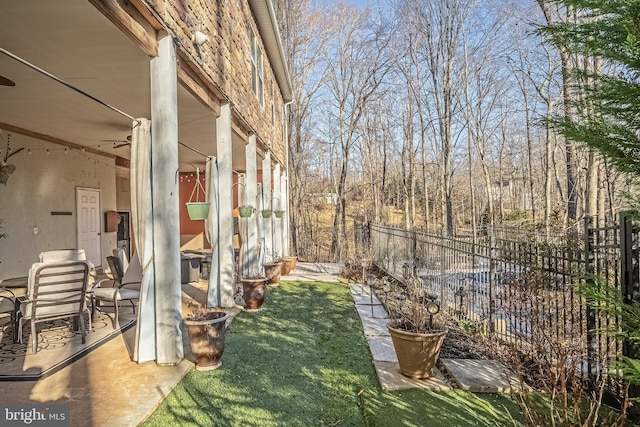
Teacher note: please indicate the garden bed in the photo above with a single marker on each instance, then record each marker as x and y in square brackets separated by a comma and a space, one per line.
[458, 344]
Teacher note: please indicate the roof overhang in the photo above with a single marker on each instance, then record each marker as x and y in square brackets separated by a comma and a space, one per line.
[75, 42]
[268, 27]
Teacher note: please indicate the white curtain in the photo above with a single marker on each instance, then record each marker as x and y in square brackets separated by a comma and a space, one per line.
[260, 206]
[141, 216]
[211, 231]
[243, 228]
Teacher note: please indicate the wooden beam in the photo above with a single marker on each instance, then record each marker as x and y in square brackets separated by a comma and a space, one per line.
[139, 30]
[239, 131]
[198, 75]
[147, 13]
[199, 90]
[25, 132]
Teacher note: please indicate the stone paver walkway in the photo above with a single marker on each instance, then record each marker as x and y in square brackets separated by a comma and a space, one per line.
[374, 321]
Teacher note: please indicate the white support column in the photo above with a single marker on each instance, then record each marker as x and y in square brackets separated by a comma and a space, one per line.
[165, 199]
[284, 186]
[266, 203]
[251, 193]
[278, 205]
[223, 295]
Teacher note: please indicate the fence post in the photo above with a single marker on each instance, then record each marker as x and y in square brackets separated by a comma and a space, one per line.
[591, 313]
[628, 270]
[357, 235]
[442, 265]
[414, 252]
[492, 270]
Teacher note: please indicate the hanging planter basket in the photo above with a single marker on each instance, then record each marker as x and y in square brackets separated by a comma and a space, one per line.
[278, 214]
[198, 210]
[245, 211]
[266, 213]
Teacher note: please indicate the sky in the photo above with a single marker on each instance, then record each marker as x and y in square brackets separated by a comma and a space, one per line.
[359, 3]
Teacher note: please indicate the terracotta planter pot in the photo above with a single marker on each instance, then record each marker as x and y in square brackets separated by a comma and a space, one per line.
[254, 291]
[417, 352]
[207, 339]
[288, 263]
[273, 270]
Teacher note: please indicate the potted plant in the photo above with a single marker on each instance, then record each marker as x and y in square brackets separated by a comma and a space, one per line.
[198, 210]
[288, 264]
[273, 268]
[266, 213]
[206, 335]
[416, 338]
[254, 289]
[245, 211]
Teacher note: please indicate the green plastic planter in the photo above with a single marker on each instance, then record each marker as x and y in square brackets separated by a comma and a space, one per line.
[245, 211]
[198, 210]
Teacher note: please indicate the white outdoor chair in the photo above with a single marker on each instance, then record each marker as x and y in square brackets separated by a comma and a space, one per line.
[55, 290]
[61, 255]
[125, 286]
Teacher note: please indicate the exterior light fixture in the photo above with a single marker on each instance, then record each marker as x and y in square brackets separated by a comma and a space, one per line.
[199, 38]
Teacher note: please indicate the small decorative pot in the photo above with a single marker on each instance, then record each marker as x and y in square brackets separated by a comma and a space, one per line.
[417, 352]
[206, 335]
[278, 214]
[273, 270]
[254, 291]
[266, 213]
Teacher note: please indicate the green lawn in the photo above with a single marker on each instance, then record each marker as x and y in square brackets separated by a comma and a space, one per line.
[303, 361]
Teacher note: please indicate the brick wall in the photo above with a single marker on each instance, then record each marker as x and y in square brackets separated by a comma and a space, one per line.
[226, 58]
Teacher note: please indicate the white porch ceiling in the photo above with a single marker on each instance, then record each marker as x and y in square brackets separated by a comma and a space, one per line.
[75, 42]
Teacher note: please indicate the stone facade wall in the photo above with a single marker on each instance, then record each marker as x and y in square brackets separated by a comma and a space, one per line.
[226, 58]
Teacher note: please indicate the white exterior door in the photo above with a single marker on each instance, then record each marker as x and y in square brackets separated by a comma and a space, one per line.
[88, 209]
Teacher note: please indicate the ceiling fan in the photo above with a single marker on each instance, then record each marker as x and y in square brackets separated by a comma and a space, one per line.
[122, 142]
[4, 81]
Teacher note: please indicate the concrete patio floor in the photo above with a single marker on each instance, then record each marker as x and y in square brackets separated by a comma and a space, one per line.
[106, 388]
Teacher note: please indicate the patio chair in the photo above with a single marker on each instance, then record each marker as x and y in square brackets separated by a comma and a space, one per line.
[119, 253]
[8, 306]
[125, 286]
[59, 255]
[55, 290]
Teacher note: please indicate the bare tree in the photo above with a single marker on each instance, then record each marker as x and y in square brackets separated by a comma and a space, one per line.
[438, 24]
[553, 12]
[305, 36]
[357, 62]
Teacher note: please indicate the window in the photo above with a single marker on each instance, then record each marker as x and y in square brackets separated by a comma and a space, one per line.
[282, 123]
[257, 77]
[273, 105]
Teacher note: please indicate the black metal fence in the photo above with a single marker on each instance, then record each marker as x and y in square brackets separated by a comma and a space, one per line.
[518, 286]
